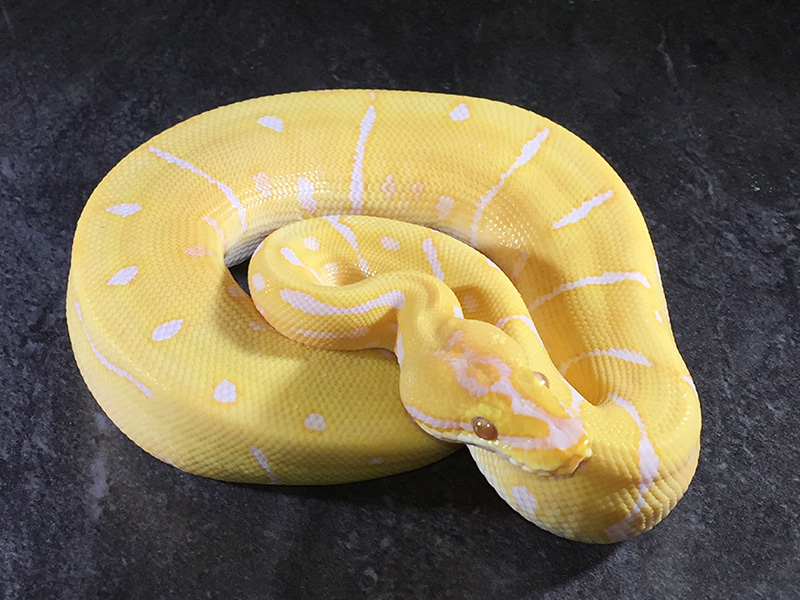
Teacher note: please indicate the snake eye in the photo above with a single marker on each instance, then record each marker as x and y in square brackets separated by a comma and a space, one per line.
[484, 428]
[543, 378]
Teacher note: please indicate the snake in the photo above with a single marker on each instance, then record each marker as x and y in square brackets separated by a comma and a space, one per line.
[426, 271]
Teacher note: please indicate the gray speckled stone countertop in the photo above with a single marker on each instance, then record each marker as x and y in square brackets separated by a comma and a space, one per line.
[694, 103]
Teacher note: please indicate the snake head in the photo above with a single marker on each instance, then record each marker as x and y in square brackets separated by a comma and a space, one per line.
[478, 389]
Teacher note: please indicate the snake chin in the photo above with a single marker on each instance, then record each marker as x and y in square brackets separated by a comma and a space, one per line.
[519, 465]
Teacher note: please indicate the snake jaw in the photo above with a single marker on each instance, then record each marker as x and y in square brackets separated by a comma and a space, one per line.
[535, 455]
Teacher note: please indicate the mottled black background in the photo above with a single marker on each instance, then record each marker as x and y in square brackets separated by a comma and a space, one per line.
[694, 103]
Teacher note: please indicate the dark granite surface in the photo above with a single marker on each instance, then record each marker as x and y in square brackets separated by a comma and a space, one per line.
[695, 104]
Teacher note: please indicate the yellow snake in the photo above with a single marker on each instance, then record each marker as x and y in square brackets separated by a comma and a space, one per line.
[491, 254]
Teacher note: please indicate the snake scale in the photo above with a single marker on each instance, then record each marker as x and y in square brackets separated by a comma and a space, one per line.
[429, 269]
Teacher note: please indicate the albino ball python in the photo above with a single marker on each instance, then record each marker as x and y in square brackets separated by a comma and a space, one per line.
[566, 384]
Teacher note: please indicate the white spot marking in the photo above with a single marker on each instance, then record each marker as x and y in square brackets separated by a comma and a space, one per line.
[417, 190]
[433, 258]
[390, 243]
[528, 151]
[308, 304]
[524, 499]
[583, 210]
[225, 189]
[376, 460]
[457, 312]
[197, 251]
[312, 243]
[225, 391]
[270, 122]
[357, 176]
[444, 206]
[124, 276]
[258, 281]
[606, 278]
[315, 422]
[659, 318]
[261, 459]
[108, 364]
[630, 356]
[124, 210]
[166, 330]
[262, 184]
[460, 112]
[389, 187]
[305, 194]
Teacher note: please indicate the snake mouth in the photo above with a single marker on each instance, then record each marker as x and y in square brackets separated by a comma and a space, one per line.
[509, 459]
[567, 468]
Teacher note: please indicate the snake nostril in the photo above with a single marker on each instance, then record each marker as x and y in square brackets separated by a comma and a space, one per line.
[484, 428]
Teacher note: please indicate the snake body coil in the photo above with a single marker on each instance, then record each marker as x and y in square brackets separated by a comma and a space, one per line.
[546, 346]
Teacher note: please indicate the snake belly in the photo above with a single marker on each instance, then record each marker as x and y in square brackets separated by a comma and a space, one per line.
[178, 356]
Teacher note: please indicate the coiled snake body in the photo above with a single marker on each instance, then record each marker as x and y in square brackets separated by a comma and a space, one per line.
[546, 346]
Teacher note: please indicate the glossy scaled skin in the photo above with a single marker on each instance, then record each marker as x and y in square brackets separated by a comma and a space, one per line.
[182, 361]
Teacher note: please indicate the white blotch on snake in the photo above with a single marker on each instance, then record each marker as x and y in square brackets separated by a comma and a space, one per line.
[315, 422]
[273, 123]
[389, 187]
[225, 391]
[433, 258]
[524, 499]
[166, 330]
[261, 181]
[444, 206]
[390, 243]
[124, 276]
[197, 251]
[258, 282]
[124, 210]
[305, 194]
[460, 112]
